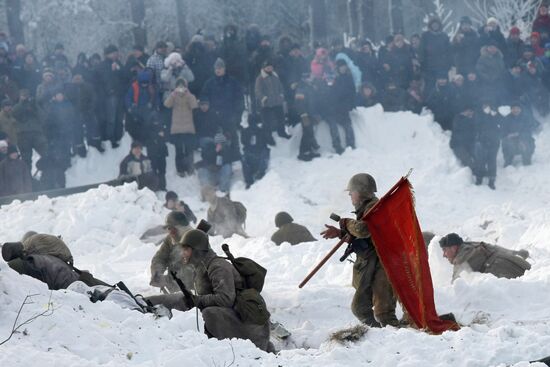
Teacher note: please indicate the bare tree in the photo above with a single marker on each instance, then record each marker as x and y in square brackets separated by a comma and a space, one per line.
[366, 19]
[181, 11]
[318, 21]
[15, 26]
[396, 16]
[353, 17]
[137, 10]
[508, 12]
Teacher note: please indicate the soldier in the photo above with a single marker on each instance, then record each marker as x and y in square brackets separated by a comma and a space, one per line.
[290, 232]
[369, 278]
[483, 258]
[226, 216]
[168, 256]
[216, 283]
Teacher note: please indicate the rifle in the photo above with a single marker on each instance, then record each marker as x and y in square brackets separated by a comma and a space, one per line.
[188, 297]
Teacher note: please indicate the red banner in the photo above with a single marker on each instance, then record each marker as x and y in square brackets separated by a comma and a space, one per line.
[398, 240]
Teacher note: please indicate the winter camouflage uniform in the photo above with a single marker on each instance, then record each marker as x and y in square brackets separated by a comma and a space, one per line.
[290, 232]
[485, 258]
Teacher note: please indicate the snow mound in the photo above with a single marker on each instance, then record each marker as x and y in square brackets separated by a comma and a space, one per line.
[508, 320]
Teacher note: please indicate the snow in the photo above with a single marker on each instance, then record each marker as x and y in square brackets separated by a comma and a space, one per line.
[508, 320]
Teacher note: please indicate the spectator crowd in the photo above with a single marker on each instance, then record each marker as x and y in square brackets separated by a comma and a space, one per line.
[194, 97]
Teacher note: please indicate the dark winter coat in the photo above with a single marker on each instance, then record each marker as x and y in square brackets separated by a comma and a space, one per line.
[15, 177]
[46, 268]
[206, 123]
[440, 102]
[82, 96]
[523, 124]
[488, 130]
[201, 64]
[8, 125]
[369, 66]
[342, 93]
[514, 51]
[27, 77]
[464, 133]
[435, 53]
[28, 120]
[542, 24]
[401, 66]
[394, 100]
[490, 68]
[254, 139]
[227, 217]
[110, 82]
[257, 59]
[226, 99]
[466, 52]
[292, 233]
[269, 90]
[484, 258]
[493, 36]
[132, 166]
[233, 52]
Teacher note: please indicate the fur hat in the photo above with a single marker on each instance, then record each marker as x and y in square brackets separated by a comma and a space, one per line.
[219, 64]
[451, 239]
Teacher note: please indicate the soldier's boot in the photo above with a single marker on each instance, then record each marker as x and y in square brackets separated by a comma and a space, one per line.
[479, 180]
[371, 322]
[492, 183]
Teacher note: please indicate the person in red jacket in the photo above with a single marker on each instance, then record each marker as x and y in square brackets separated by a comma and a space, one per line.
[541, 25]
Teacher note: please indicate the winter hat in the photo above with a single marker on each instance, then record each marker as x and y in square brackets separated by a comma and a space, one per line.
[174, 59]
[321, 52]
[12, 250]
[282, 218]
[515, 31]
[175, 219]
[161, 44]
[491, 42]
[451, 239]
[12, 149]
[110, 49]
[433, 20]
[219, 64]
[466, 20]
[536, 35]
[48, 71]
[144, 77]
[59, 46]
[492, 20]
[136, 144]
[267, 62]
[341, 62]
[171, 195]
[198, 38]
[138, 48]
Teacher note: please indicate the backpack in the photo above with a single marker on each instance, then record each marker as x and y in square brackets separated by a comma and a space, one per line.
[249, 304]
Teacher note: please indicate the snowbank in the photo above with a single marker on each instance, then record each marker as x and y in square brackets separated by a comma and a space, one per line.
[509, 320]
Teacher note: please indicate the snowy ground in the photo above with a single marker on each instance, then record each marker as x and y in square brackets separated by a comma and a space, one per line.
[509, 320]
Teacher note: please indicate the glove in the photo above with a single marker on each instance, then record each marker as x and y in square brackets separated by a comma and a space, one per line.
[331, 232]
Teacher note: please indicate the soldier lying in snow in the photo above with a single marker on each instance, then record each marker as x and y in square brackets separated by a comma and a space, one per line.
[41, 262]
[289, 231]
[226, 216]
[483, 258]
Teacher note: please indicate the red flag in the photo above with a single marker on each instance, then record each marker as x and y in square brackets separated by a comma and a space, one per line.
[400, 246]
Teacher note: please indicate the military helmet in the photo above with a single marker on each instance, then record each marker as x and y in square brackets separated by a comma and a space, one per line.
[175, 219]
[282, 218]
[196, 239]
[363, 183]
[451, 239]
[12, 250]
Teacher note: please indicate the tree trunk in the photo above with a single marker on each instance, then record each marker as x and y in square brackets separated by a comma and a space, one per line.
[137, 10]
[318, 21]
[181, 13]
[15, 26]
[366, 19]
[353, 18]
[396, 14]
